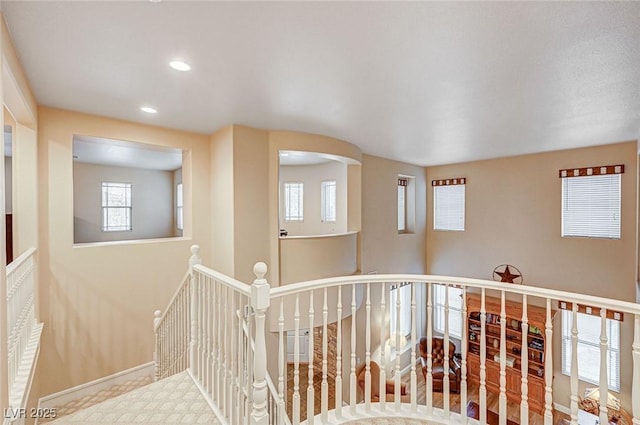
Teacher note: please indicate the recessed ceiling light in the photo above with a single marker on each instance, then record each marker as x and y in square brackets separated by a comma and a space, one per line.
[149, 110]
[179, 65]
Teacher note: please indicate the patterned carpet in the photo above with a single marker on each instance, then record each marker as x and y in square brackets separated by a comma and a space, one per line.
[174, 400]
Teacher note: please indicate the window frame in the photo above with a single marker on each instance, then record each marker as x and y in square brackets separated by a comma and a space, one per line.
[105, 207]
[287, 216]
[446, 218]
[567, 319]
[591, 216]
[403, 183]
[180, 206]
[439, 310]
[328, 211]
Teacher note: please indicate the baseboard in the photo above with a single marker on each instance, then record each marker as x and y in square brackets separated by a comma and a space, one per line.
[88, 388]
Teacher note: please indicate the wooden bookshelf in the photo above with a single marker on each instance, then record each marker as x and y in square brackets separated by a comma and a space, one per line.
[535, 341]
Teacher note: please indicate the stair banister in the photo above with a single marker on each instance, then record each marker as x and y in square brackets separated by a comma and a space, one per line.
[193, 260]
[260, 300]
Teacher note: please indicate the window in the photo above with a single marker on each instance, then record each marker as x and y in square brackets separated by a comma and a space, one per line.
[116, 207]
[448, 204]
[403, 292]
[589, 348]
[455, 309]
[328, 201]
[179, 205]
[591, 202]
[402, 205]
[293, 201]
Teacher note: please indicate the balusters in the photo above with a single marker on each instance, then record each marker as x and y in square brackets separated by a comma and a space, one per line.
[396, 395]
[310, 389]
[367, 347]
[604, 378]
[447, 365]
[281, 360]
[548, 368]
[429, 348]
[414, 378]
[503, 361]
[325, 385]
[463, 349]
[483, 359]
[383, 346]
[574, 363]
[635, 387]
[524, 365]
[338, 381]
[296, 362]
[352, 376]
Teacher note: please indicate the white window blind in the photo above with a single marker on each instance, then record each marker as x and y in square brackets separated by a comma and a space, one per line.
[116, 207]
[591, 206]
[448, 207]
[179, 207]
[293, 201]
[589, 348]
[403, 291]
[455, 310]
[328, 201]
[402, 205]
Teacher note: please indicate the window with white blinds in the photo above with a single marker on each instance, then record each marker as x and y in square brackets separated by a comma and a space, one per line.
[294, 201]
[591, 206]
[454, 295]
[448, 207]
[328, 201]
[402, 205]
[179, 207]
[589, 348]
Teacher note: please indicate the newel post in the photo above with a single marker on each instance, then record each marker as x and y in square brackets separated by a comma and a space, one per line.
[193, 345]
[260, 304]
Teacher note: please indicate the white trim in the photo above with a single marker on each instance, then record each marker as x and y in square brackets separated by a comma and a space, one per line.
[26, 371]
[65, 396]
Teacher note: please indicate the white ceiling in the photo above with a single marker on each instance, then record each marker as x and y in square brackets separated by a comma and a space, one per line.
[119, 153]
[422, 82]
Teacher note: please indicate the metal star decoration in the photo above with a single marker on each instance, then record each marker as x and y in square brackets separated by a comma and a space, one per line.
[506, 275]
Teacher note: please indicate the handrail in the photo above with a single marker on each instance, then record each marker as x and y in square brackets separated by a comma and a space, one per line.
[234, 284]
[17, 262]
[610, 304]
[160, 318]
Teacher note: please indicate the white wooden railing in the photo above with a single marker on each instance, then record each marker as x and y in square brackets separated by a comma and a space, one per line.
[229, 355]
[22, 328]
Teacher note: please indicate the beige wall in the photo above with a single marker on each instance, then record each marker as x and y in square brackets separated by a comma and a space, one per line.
[383, 249]
[312, 177]
[222, 213]
[98, 301]
[513, 216]
[152, 201]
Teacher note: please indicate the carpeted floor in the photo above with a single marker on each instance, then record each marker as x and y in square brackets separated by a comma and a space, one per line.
[174, 400]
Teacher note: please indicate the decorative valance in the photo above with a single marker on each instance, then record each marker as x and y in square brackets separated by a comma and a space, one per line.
[592, 171]
[449, 182]
[593, 311]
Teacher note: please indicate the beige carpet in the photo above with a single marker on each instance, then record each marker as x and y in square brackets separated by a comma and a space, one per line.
[174, 400]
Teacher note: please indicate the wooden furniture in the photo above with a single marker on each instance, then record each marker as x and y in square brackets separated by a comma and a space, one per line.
[536, 346]
[438, 367]
[473, 411]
